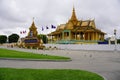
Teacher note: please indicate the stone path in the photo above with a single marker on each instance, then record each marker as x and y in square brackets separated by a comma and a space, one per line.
[105, 63]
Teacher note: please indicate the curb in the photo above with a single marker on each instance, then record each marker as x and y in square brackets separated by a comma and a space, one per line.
[102, 76]
[23, 59]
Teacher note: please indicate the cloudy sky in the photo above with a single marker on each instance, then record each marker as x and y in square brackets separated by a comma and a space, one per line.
[17, 15]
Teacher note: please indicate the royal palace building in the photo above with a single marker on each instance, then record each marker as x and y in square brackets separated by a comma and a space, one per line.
[77, 31]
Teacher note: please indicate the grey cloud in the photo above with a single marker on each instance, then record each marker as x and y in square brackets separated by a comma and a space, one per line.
[46, 12]
[9, 11]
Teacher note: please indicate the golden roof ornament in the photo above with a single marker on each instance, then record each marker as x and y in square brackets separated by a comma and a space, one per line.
[73, 17]
[32, 30]
[33, 24]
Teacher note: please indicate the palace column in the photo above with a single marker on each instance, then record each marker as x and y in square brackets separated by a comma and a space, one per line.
[97, 36]
[75, 36]
[88, 35]
[58, 37]
[55, 37]
[84, 36]
[79, 36]
[93, 36]
[102, 37]
[69, 35]
[63, 35]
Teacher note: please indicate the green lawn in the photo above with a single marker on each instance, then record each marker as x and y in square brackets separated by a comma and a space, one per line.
[46, 74]
[4, 53]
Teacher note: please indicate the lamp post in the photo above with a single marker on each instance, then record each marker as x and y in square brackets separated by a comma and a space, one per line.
[115, 39]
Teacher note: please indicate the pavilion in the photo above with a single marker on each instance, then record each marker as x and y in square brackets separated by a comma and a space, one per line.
[77, 31]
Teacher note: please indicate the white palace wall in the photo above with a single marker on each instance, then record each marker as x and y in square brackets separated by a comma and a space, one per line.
[104, 47]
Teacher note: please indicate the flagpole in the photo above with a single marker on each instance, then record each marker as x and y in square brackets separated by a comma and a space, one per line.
[46, 34]
[53, 27]
[51, 33]
[115, 40]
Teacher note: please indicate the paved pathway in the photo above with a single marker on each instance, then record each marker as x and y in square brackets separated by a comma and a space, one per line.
[105, 63]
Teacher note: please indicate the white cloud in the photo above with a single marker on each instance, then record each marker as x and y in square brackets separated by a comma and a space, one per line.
[18, 14]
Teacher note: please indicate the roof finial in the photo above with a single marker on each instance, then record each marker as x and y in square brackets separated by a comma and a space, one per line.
[73, 5]
[73, 8]
[33, 24]
[73, 17]
[33, 18]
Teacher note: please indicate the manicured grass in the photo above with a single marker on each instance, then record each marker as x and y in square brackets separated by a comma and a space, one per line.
[46, 74]
[4, 53]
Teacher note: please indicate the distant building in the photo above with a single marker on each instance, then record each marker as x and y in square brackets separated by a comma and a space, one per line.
[31, 40]
[77, 31]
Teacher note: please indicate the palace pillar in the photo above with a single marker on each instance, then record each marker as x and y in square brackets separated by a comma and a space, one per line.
[84, 36]
[66, 34]
[79, 36]
[58, 37]
[102, 37]
[88, 36]
[70, 35]
[63, 35]
[93, 36]
[75, 36]
[97, 36]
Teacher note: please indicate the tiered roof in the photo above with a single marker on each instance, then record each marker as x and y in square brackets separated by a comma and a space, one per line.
[76, 25]
[33, 30]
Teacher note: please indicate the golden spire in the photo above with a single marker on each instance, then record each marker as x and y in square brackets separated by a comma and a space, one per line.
[73, 17]
[33, 30]
[33, 18]
[33, 24]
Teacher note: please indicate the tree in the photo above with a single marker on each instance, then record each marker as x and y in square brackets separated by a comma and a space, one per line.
[118, 41]
[43, 37]
[3, 39]
[13, 38]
